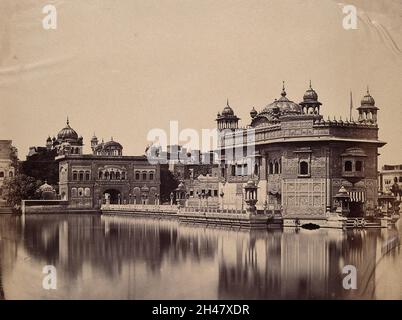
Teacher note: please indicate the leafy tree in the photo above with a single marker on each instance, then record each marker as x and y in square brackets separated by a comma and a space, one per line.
[14, 158]
[169, 182]
[20, 187]
[42, 166]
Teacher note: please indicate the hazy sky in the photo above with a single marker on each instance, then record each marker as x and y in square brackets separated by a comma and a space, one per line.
[121, 68]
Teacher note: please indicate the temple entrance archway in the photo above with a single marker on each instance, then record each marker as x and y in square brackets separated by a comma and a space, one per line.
[356, 209]
[112, 196]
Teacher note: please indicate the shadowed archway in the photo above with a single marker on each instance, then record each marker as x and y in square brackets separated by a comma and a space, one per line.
[113, 195]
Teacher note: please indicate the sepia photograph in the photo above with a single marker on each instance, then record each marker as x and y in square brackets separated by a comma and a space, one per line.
[185, 151]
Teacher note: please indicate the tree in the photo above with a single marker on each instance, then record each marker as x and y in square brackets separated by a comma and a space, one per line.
[20, 187]
[169, 183]
[42, 166]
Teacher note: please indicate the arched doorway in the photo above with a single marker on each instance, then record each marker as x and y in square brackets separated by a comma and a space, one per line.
[356, 209]
[113, 195]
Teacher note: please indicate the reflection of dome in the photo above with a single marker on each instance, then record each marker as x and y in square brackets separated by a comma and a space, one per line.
[67, 133]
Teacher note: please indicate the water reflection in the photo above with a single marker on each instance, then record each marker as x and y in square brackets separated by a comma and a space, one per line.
[138, 258]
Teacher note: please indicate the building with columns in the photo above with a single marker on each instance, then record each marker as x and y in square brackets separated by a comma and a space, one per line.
[298, 159]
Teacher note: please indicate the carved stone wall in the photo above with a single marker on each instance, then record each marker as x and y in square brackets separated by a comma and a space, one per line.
[303, 197]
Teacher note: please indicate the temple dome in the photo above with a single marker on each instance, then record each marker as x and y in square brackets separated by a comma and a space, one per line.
[47, 192]
[112, 143]
[368, 100]
[282, 105]
[253, 113]
[310, 95]
[67, 133]
[227, 111]
[46, 188]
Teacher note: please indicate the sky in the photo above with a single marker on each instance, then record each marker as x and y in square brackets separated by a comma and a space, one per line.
[122, 68]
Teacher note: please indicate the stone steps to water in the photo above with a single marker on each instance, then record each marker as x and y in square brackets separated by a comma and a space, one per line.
[5, 210]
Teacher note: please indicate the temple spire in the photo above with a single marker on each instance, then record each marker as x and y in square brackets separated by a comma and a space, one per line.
[68, 121]
[283, 94]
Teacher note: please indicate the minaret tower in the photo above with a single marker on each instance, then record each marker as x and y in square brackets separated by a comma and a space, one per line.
[367, 109]
[94, 143]
[227, 119]
[310, 103]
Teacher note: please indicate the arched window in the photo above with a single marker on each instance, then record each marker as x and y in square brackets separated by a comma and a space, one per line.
[117, 175]
[80, 192]
[303, 168]
[359, 165]
[75, 175]
[112, 175]
[256, 169]
[87, 192]
[348, 166]
[137, 175]
[10, 174]
[123, 176]
[276, 167]
[107, 175]
[1, 174]
[73, 192]
[151, 176]
[144, 175]
[87, 175]
[100, 174]
[81, 175]
[271, 168]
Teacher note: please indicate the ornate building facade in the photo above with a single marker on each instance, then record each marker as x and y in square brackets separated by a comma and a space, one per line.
[298, 159]
[106, 176]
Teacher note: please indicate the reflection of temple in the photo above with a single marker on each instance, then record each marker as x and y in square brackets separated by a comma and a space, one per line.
[151, 258]
[297, 265]
[72, 241]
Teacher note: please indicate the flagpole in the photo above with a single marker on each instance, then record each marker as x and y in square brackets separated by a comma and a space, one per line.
[351, 106]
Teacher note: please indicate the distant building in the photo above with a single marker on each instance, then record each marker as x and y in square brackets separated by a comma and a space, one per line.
[105, 176]
[67, 141]
[6, 169]
[87, 181]
[388, 175]
[201, 183]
